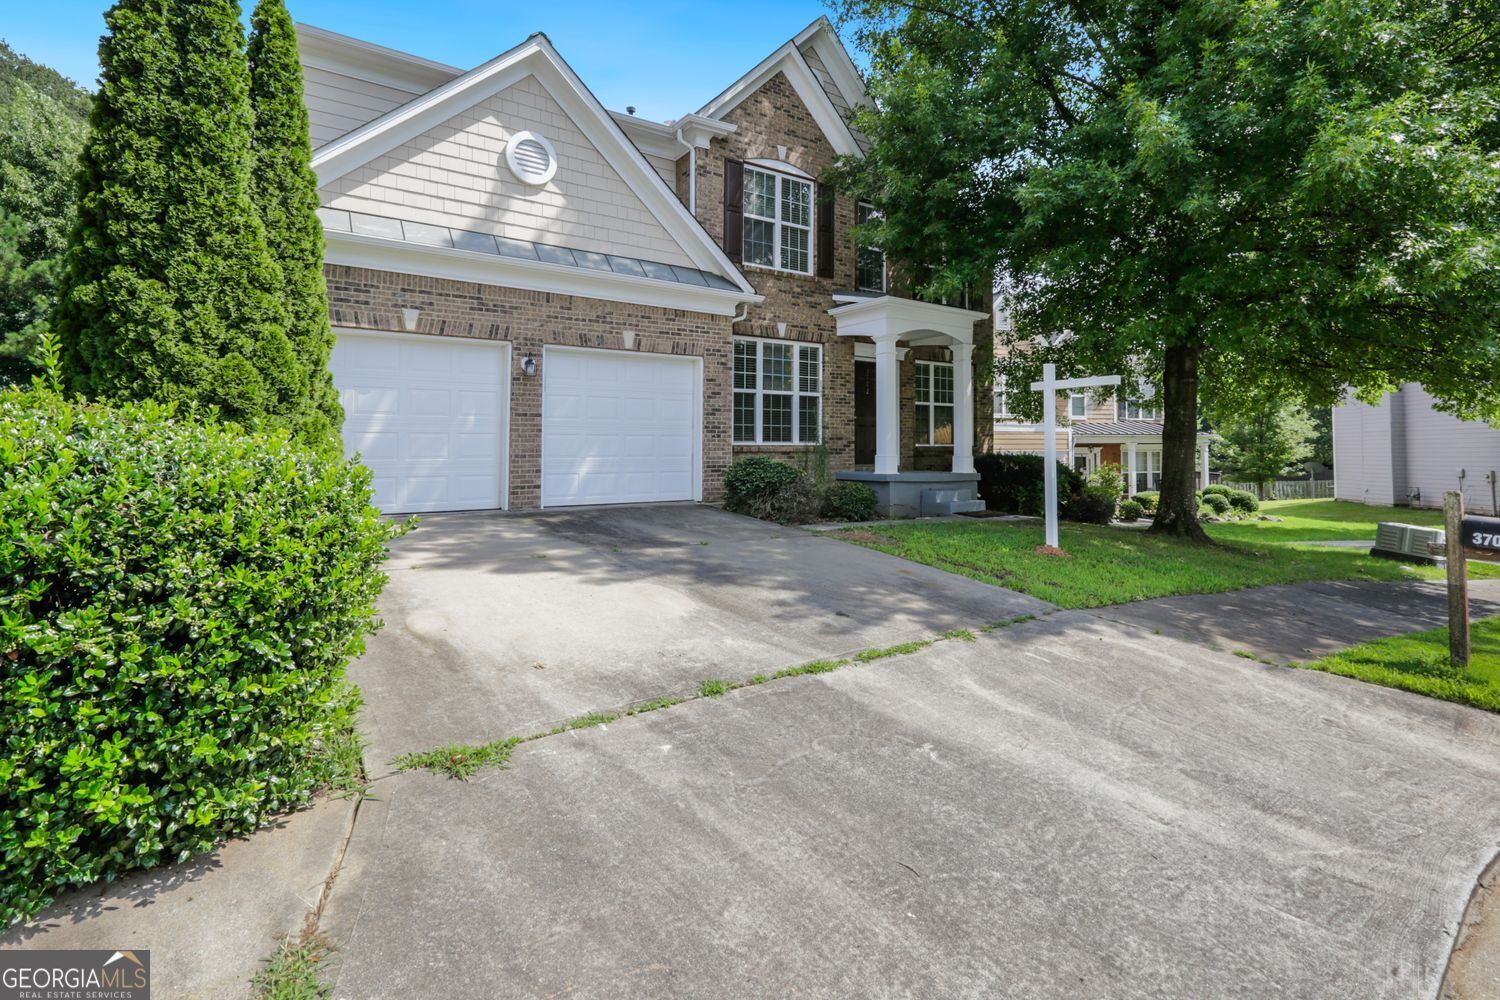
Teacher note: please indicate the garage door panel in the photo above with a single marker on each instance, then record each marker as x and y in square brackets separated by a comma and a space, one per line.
[426, 414]
[618, 428]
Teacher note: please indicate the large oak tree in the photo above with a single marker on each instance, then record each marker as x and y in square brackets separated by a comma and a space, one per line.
[1230, 200]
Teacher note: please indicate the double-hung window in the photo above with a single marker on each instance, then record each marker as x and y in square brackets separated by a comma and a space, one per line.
[778, 221]
[1002, 399]
[1147, 470]
[778, 392]
[1078, 405]
[934, 402]
[1143, 409]
[869, 262]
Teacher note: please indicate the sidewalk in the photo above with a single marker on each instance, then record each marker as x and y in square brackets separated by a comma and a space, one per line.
[210, 922]
[1302, 621]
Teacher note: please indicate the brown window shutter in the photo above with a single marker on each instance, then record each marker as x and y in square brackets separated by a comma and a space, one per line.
[825, 232]
[734, 210]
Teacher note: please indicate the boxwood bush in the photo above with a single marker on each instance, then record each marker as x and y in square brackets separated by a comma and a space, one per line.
[849, 501]
[1216, 502]
[1148, 500]
[1130, 510]
[748, 479]
[180, 600]
[1244, 501]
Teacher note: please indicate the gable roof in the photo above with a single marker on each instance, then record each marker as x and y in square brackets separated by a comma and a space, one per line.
[534, 57]
[790, 60]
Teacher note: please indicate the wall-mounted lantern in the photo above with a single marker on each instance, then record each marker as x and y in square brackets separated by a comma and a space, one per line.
[528, 366]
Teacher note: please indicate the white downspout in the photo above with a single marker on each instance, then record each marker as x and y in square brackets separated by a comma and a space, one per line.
[692, 174]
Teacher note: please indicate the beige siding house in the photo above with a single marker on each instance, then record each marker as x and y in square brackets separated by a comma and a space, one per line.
[539, 302]
[1403, 451]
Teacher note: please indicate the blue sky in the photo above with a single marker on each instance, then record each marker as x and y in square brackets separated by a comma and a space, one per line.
[666, 58]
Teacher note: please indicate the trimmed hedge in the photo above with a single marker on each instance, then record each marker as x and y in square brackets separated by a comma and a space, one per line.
[849, 501]
[1147, 499]
[747, 479]
[1130, 510]
[1215, 489]
[1244, 501]
[1216, 502]
[1013, 483]
[181, 599]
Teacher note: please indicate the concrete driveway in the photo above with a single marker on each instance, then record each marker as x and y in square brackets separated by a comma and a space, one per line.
[499, 625]
[1066, 808]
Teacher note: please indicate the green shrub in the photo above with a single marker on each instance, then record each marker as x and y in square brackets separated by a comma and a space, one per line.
[1106, 484]
[1130, 510]
[1244, 501]
[1013, 483]
[1216, 502]
[181, 599]
[746, 479]
[1147, 499]
[1216, 489]
[848, 501]
[793, 502]
[1086, 508]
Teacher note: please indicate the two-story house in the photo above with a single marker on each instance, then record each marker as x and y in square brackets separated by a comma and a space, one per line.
[539, 302]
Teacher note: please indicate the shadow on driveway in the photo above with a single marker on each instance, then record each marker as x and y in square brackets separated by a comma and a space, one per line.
[499, 624]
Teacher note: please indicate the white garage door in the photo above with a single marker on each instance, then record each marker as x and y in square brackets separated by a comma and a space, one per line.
[427, 415]
[618, 427]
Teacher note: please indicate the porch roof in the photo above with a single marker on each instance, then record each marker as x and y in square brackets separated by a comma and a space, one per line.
[908, 320]
[1111, 431]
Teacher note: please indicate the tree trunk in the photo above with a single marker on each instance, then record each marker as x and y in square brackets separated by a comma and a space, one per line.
[1177, 507]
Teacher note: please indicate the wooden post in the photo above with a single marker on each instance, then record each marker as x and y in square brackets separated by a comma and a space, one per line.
[1458, 581]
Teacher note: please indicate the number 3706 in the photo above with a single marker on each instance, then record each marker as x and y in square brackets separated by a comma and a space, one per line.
[1485, 540]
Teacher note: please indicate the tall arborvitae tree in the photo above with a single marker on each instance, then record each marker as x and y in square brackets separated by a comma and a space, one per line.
[286, 193]
[170, 291]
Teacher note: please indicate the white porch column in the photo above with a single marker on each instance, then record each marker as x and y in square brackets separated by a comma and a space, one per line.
[887, 405]
[1203, 459]
[1130, 486]
[963, 407]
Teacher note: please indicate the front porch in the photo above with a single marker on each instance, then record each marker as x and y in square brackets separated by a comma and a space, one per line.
[895, 325]
[1134, 445]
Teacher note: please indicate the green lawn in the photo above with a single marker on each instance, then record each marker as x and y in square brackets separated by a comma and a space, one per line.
[1419, 662]
[1115, 565]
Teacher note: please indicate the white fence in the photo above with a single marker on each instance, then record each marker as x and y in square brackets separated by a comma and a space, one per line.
[1288, 489]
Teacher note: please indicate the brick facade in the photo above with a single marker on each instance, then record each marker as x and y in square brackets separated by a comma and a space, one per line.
[373, 300]
[774, 124]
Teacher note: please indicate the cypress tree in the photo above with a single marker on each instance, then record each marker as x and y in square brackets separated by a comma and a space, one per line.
[170, 291]
[285, 190]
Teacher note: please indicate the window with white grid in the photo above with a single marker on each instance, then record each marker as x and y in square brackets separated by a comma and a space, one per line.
[778, 392]
[778, 221]
[934, 402]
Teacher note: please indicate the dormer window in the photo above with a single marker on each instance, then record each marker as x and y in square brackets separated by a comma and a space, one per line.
[778, 221]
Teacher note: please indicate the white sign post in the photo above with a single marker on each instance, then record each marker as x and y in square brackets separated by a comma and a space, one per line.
[1049, 387]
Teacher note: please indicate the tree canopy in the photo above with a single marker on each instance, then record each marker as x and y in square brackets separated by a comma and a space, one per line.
[1242, 200]
[43, 121]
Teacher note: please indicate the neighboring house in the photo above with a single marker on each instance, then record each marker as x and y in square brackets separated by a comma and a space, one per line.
[541, 303]
[1093, 431]
[1403, 451]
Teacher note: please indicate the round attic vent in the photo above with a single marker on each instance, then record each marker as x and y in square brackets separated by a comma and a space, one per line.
[531, 158]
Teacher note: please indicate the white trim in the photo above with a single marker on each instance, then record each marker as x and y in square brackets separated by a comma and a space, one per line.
[778, 177]
[890, 316]
[332, 52]
[358, 250]
[512, 150]
[788, 59]
[534, 57]
[795, 392]
[697, 418]
[507, 366]
[779, 166]
[933, 404]
[841, 67]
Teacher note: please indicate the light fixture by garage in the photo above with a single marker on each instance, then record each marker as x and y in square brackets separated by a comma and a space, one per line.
[531, 158]
[528, 366]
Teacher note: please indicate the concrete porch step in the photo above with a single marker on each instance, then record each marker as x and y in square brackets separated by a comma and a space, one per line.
[950, 501]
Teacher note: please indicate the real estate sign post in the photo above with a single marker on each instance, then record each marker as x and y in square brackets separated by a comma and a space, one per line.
[1468, 537]
[1049, 387]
